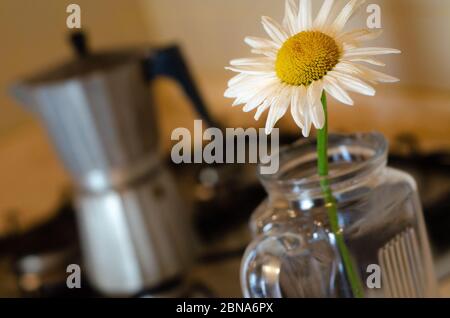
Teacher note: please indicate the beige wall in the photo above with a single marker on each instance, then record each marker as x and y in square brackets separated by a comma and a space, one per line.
[33, 36]
[211, 33]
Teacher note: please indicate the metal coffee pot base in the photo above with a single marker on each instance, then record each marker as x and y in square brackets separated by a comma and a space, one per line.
[134, 238]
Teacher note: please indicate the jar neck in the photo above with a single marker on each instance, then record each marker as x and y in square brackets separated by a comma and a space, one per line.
[353, 159]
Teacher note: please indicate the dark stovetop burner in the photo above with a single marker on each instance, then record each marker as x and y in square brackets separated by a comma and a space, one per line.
[39, 258]
[432, 173]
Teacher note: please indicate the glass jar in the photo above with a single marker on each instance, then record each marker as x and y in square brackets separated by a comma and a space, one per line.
[294, 252]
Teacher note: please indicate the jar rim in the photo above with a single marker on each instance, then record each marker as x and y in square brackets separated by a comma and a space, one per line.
[371, 148]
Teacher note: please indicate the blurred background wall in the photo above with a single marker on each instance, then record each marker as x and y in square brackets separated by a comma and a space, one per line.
[211, 33]
[34, 34]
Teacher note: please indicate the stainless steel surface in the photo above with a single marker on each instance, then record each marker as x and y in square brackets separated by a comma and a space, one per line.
[99, 116]
[135, 238]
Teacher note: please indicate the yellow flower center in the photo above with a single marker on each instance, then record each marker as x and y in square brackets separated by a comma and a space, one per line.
[306, 57]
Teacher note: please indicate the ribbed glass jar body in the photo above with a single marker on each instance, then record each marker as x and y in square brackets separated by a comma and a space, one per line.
[294, 252]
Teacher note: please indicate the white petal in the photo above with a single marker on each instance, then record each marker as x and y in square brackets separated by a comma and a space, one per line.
[366, 60]
[365, 73]
[265, 93]
[237, 79]
[229, 93]
[348, 68]
[270, 52]
[290, 17]
[346, 13]
[324, 13]
[359, 35]
[369, 51]
[382, 77]
[303, 97]
[269, 101]
[261, 109]
[238, 102]
[376, 76]
[254, 98]
[260, 43]
[246, 93]
[248, 86]
[253, 70]
[353, 84]
[252, 61]
[248, 81]
[262, 68]
[274, 30]
[307, 126]
[351, 69]
[251, 105]
[305, 15]
[314, 92]
[272, 117]
[348, 46]
[332, 87]
[318, 116]
[315, 105]
[278, 109]
[297, 105]
[232, 92]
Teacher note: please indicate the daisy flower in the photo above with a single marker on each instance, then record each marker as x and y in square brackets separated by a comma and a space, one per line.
[302, 58]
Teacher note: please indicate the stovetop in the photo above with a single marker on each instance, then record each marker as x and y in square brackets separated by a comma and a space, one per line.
[33, 264]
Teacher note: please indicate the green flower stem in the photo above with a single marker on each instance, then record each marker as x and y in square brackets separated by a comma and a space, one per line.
[322, 165]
